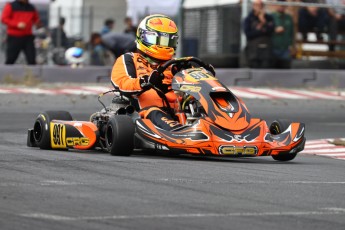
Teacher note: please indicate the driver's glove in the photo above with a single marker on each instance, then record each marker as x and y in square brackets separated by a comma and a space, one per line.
[175, 68]
[155, 79]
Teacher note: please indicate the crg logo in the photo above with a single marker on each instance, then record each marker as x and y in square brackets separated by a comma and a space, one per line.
[74, 141]
[238, 150]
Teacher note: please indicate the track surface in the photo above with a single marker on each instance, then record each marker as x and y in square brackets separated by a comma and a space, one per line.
[89, 190]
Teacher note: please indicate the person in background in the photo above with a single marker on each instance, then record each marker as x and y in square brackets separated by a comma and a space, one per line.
[258, 28]
[98, 52]
[282, 38]
[129, 26]
[108, 26]
[312, 19]
[20, 16]
[119, 43]
[58, 35]
[337, 20]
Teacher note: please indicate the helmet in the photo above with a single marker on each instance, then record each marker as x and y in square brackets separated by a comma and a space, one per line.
[74, 55]
[157, 37]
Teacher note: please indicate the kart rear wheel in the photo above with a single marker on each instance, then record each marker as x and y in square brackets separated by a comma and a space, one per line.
[277, 127]
[119, 136]
[41, 131]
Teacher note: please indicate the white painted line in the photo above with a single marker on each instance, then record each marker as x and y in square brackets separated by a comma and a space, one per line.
[333, 154]
[99, 89]
[75, 92]
[59, 182]
[324, 211]
[35, 91]
[244, 94]
[329, 150]
[280, 94]
[320, 95]
[318, 146]
[317, 142]
[5, 91]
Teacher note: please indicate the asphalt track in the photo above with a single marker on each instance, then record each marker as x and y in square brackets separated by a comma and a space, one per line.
[91, 190]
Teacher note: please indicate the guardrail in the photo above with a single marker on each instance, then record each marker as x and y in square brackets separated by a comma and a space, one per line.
[297, 78]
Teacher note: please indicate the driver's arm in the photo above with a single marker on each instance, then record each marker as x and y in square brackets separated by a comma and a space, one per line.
[124, 76]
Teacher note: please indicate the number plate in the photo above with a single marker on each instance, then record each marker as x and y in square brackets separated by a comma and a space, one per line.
[58, 136]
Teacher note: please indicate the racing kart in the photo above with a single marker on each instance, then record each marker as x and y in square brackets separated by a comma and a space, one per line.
[215, 122]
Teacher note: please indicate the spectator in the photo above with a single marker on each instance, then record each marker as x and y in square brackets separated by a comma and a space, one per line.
[108, 26]
[129, 26]
[119, 43]
[98, 52]
[58, 35]
[337, 20]
[282, 38]
[312, 19]
[258, 27]
[20, 16]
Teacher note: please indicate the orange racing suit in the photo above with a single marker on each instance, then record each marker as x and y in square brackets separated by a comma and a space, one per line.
[126, 74]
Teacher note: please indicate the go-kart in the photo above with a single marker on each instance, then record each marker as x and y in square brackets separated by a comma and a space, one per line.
[214, 123]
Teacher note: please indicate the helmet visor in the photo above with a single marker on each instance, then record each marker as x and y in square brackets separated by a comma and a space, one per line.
[161, 39]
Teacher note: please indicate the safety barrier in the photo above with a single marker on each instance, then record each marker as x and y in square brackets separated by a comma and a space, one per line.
[297, 78]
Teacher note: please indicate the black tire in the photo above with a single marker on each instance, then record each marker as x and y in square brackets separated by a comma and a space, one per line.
[278, 126]
[42, 126]
[119, 135]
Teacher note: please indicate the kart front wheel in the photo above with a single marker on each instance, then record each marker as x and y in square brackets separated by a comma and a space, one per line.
[119, 136]
[41, 130]
[277, 127]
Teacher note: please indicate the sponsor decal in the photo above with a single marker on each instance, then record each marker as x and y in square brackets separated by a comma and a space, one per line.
[43, 117]
[171, 123]
[191, 88]
[74, 141]
[58, 135]
[238, 150]
[198, 136]
[199, 76]
[238, 137]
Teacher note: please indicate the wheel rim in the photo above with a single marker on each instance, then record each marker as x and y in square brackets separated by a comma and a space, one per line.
[38, 131]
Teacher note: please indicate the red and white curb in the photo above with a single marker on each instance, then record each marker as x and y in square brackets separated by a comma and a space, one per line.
[242, 92]
[325, 147]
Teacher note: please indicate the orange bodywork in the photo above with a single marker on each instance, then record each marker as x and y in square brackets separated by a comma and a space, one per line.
[73, 134]
[225, 127]
[205, 138]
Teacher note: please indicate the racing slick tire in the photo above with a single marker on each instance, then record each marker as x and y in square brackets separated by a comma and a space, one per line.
[119, 135]
[278, 126]
[41, 131]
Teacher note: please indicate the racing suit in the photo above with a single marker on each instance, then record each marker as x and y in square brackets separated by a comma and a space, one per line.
[126, 75]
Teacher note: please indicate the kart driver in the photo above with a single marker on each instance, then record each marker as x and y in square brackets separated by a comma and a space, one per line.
[135, 74]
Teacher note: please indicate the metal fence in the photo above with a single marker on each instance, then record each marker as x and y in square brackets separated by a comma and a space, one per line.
[81, 22]
[213, 33]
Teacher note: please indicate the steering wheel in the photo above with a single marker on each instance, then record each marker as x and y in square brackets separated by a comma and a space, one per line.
[184, 60]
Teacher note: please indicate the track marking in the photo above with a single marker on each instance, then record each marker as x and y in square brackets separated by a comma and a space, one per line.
[323, 212]
[324, 147]
[243, 92]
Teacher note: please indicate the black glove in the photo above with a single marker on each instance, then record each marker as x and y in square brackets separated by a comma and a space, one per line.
[155, 79]
[175, 68]
[210, 68]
